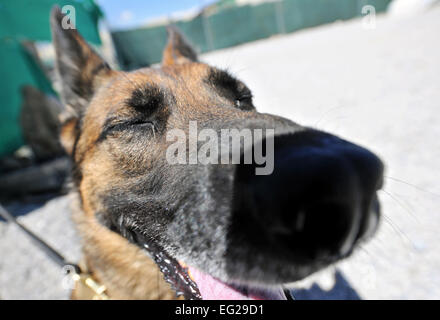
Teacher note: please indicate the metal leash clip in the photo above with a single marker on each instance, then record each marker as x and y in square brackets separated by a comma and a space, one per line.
[88, 289]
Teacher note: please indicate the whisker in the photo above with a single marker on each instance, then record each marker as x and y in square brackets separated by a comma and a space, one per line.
[326, 113]
[407, 209]
[377, 244]
[336, 120]
[366, 251]
[396, 229]
[412, 185]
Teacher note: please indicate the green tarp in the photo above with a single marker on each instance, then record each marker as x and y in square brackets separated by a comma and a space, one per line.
[233, 25]
[22, 20]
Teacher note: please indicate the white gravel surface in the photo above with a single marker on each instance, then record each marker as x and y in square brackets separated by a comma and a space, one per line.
[25, 271]
[379, 88]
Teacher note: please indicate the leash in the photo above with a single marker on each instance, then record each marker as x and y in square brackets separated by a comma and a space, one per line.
[89, 288]
[86, 285]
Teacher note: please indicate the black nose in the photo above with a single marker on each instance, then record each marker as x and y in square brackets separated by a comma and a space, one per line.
[319, 200]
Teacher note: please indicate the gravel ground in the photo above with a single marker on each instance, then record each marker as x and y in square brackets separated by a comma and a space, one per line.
[379, 88]
[25, 271]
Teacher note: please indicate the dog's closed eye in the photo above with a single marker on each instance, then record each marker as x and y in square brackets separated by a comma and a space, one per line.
[113, 125]
[146, 102]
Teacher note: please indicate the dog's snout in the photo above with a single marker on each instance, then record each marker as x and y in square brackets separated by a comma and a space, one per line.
[319, 200]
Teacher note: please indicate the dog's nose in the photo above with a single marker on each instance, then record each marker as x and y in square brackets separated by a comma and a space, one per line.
[319, 200]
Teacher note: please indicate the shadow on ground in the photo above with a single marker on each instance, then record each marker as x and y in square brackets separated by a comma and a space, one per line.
[23, 206]
[342, 290]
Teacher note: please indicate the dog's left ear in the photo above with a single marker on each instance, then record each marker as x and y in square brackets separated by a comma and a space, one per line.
[178, 50]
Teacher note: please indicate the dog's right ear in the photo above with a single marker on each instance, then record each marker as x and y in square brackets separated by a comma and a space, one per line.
[81, 71]
[177, 50]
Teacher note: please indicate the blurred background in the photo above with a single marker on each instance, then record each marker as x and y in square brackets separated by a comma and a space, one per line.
[367, 70]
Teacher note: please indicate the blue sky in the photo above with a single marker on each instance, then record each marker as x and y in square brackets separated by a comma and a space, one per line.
[131, 13]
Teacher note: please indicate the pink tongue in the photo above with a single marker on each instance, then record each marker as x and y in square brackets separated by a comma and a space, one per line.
[213, 289]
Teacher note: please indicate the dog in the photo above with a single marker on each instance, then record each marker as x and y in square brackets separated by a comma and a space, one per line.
[150, 229]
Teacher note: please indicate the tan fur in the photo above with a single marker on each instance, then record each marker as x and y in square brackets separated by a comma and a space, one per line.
[66, 134]
[125, 270]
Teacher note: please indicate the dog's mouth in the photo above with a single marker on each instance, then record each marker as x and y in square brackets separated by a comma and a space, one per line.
[211, 288]
[193, 284]
[173, 272]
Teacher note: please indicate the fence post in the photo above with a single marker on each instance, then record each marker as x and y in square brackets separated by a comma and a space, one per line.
[207, 31]
[280, 16]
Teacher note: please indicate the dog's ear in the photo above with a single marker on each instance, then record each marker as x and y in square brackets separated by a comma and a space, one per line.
[81, 71]
[80, 68]
[178, 50]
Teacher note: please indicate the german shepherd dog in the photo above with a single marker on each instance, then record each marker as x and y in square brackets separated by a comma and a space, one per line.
[214, 231]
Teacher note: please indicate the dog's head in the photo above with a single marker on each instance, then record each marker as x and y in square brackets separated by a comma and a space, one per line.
[229, 224]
